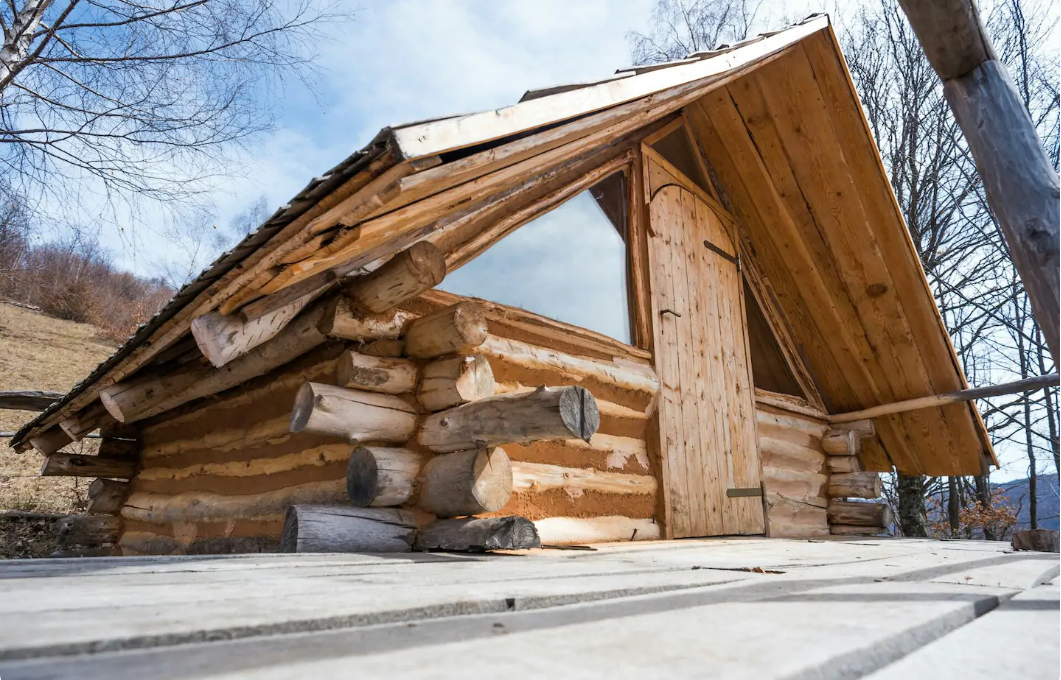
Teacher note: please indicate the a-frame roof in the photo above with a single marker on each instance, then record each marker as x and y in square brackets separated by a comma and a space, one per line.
[866, 341]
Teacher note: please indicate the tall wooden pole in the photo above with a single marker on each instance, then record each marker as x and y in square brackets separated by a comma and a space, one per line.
[1021, 184]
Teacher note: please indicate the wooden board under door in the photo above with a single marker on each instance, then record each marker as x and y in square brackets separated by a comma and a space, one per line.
[708, 440]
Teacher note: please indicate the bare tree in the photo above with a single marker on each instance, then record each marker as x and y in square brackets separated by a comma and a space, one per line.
[682, 27]
[142, 99]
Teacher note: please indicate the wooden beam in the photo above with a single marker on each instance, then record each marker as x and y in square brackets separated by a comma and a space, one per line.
[353, 415]
[866, 485]
[1026, 385]
[340, 321]
[839, 465]
[478, 535]
[419, 267]
[860, 514]
[466, 483]
[49, 441]
[77, 465]
[119, 448]
[334, 528]
[458, 329]
[142, 398]
[585, 530]
[454, 381]
[28, 400]
[86, 420]
[381, 477]
[518, 418]
[88, 530]
[1020, 181]
[106, 496]
[376, 374]
[842, 443]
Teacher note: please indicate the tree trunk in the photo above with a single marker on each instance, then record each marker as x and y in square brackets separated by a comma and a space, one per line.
[381, 477]
[352, 414]
[454, 381]
[518, 418]
[328, 528]
[466, 483]
[478, 535]
[913, 518]
[953, 506]
[376, 374]
[457, 329]
[420, 267]
[983, 495]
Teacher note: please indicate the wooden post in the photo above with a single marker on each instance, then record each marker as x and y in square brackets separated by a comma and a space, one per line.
[50, 441]
[466, 483]
[457, 329]
[420, 267]
[839, 465]
[841, 442]
[376, 374]
[518, 418]
[85, 421]
[381, 477]
[859, 514]
[334, 528]
[106, 496]
[28, 400]
[352, 414]
[1019, 179]
[87, 530]
[142, 398]
[855, 485]
[478, 535]
[340, 321]
[454, 381]
[76, 465]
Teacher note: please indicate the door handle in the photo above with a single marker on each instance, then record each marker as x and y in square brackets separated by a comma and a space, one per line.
[669, 311]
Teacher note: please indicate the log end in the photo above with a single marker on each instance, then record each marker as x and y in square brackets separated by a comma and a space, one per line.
[493, 479]
[362, 478]
[208, 331]
[578, 409]
[303, 408]
[289, 535]
[107, 397]
[427, 263]
[470, 321]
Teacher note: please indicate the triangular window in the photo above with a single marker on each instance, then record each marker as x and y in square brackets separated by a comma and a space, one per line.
[770, 370]
[569, 264]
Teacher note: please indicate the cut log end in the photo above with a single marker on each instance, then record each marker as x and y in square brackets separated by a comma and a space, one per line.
[456, 329]
[466, 483]
[419, 268]
[578, 409]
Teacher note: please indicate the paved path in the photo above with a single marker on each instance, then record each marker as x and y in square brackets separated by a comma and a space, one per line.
[728, 608]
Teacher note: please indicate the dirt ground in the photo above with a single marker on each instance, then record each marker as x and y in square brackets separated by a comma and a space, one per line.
[38, 352]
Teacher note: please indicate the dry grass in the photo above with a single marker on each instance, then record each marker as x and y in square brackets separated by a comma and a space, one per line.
[38, 352]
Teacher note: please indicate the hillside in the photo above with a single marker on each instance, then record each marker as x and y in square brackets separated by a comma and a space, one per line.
[43, 353]
[1049, 504]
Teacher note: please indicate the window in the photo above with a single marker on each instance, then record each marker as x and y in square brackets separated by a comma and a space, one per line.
[676, 150]
[770, 369]
[568, 264]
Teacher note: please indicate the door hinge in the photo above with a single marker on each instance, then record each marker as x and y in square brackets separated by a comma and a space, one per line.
[718, 251]
[747, 492]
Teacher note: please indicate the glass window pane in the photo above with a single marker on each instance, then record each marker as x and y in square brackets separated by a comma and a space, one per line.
[568, 264]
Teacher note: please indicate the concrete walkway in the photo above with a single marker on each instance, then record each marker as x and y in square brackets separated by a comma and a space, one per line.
[727, 608]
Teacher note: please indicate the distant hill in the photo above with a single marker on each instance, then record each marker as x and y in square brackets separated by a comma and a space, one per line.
[1049, 507]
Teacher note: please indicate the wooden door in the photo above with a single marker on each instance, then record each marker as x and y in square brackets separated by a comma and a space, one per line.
[709, 449]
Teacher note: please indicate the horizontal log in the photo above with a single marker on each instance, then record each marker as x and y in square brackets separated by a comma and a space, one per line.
[145, 543]
[860, 514]
[478, 535]
[866, 485]
[466, 483]
[458, 329]
[315, 456]
[937, 400]
[623, 374]
[106, 496]
[377, 476]
[420, 267]
[141, 398]
[222, 338]
[327, 529]
[112, 429]
[28, 400]
[86, 420]
[546, 413]
[781, 453]
[582, 531]
[787, 518]
[796, 485]
[855, 530]
[353, 415]
[49, 441]
[454, 381]
[301, 294]
[87, 530]
[76, 465]
[864, 427]
[205, 506]
[384, 347]
[838, 465]
[376, 374]
[842, 443]
[539, 477]
[340, 321]
[119, 448]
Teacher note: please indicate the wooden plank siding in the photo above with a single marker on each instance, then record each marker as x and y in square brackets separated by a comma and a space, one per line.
[800, 172]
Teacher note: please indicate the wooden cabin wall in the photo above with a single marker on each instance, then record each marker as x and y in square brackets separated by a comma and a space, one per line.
[795, 479]
[219, 475]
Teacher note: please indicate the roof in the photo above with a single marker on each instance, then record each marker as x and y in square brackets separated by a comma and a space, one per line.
[866, 275]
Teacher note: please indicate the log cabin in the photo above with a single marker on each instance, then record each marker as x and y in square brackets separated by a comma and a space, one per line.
[622, 310]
